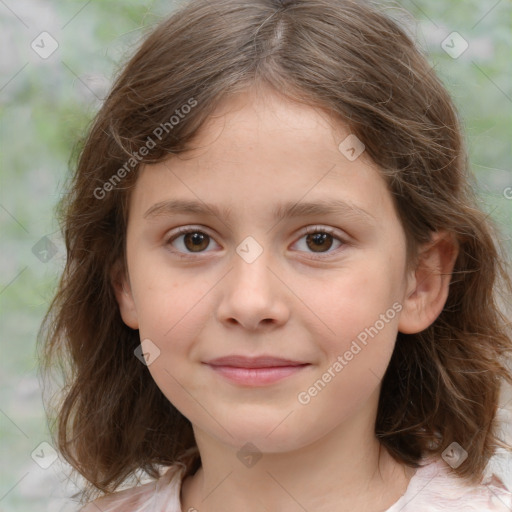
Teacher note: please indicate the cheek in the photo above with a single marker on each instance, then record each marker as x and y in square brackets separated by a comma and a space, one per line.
[358, 302]
[171, 307]
[173, 315]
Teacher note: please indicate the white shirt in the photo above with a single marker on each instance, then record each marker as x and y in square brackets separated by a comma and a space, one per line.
[433, 488]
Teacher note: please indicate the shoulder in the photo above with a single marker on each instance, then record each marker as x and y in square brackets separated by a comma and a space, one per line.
[164, 492]
[435, 488]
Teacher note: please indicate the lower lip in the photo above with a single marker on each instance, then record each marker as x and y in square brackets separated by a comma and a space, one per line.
[256, 376]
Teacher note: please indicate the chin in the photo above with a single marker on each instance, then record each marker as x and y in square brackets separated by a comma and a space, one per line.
[263, 435]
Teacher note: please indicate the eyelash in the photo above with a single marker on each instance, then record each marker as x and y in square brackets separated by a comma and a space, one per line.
[309, 231]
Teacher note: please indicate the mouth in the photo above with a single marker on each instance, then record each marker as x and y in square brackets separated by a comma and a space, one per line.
[255, 371]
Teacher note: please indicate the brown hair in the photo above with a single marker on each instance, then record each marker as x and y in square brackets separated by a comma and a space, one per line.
[346, 57]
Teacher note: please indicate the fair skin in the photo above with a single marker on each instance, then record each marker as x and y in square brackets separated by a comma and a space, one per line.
[256, 152]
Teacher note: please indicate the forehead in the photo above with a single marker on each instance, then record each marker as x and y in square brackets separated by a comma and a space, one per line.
[261, 150]
[261, 118]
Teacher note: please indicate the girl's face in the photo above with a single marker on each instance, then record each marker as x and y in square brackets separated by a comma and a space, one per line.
[248, 280]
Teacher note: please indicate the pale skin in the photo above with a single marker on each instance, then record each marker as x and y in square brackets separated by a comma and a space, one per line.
[260, 150]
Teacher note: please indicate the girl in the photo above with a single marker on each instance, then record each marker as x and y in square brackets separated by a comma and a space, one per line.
[212, 342]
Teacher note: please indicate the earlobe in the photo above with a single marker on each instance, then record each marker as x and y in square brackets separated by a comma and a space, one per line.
[124, 296]
[429, 283]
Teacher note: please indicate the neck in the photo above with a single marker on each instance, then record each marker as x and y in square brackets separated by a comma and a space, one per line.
[343, 470]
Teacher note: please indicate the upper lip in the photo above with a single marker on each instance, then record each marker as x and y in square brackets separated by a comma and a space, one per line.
[253, 362]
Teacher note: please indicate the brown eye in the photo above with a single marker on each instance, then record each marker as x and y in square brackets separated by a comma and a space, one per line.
[188, 241]
[196, 241]
[319, 242]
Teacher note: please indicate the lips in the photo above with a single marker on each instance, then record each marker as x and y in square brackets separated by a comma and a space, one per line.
[255, 371]
[237, 361]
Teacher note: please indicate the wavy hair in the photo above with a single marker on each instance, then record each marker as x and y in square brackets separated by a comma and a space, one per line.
[354, 61]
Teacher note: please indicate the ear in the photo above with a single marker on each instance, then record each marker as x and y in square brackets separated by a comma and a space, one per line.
[429, 283]
[124, 296]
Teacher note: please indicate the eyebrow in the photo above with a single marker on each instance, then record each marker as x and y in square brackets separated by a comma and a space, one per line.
[280, 212]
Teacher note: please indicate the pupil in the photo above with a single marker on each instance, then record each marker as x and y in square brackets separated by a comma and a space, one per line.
[318, 239]
[196, 238]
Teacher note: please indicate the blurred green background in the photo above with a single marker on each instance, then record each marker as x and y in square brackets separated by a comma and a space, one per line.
[47, 103]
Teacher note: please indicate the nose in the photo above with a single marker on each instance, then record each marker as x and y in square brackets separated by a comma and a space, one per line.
[254, 295]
